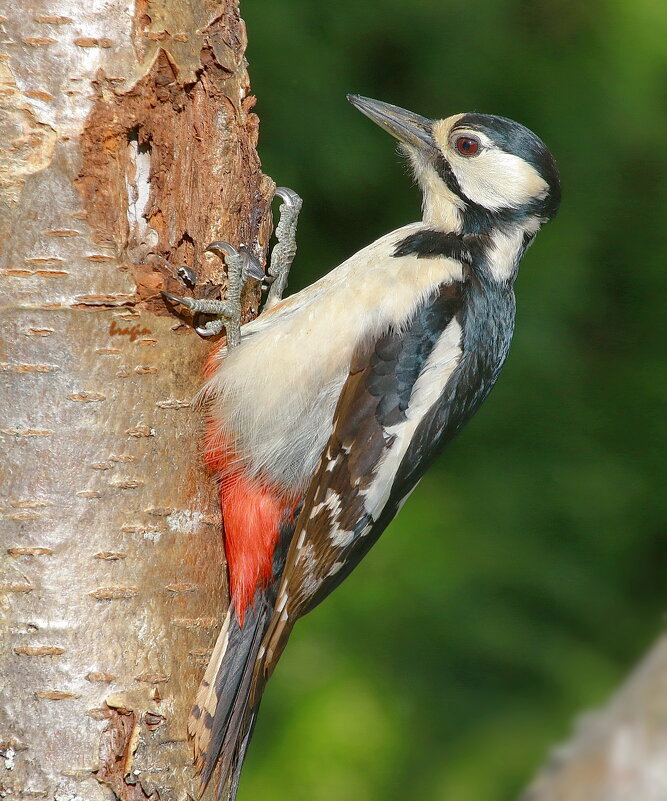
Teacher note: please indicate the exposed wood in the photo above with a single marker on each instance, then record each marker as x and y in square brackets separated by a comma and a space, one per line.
[128, 145]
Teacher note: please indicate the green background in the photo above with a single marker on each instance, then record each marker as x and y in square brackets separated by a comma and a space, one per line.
[525, 576]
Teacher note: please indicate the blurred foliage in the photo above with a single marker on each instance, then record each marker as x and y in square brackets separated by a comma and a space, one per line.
[526, 574]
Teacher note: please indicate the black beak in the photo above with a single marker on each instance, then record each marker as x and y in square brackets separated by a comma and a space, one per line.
[408, 128]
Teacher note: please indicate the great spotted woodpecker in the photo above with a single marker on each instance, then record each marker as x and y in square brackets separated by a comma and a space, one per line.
[336, 400]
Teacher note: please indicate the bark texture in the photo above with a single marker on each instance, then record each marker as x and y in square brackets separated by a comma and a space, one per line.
[618, 753]
[128, 144]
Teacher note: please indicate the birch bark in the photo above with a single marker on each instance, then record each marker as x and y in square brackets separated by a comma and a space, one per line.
[127, 144]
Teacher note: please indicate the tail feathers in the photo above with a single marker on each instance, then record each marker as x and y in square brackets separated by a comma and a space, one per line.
[276, 633]
[204, 709]
[233, 756]
[221, 723]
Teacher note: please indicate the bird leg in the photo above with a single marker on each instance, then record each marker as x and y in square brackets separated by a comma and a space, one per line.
[284, 250]
[241, 265]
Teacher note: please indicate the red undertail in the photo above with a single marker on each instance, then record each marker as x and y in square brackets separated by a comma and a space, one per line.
[252, 512]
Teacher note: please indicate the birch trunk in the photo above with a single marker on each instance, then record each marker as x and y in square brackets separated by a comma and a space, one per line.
[127, 145]
[618, 753]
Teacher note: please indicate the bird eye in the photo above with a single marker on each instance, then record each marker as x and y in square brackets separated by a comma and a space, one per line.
[467, 145]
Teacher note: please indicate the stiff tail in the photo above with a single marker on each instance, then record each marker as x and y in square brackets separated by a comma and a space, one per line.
[221, 722]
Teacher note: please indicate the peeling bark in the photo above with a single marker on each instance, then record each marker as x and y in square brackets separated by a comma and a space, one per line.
[129, 145]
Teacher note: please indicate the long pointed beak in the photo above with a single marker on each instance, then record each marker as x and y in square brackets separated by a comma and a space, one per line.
[409, 128]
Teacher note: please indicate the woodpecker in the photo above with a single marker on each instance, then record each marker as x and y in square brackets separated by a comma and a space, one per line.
[325, 416]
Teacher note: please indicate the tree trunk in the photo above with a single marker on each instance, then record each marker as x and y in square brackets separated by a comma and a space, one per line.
[128, 146]
[620, 752]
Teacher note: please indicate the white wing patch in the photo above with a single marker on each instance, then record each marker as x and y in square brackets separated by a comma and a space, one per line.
[332, 501]
[431, 382]
[340, 538]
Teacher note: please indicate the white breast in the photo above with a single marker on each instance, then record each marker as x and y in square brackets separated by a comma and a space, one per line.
[275, 394]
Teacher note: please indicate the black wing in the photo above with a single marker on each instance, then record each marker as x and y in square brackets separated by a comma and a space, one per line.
[349, 502]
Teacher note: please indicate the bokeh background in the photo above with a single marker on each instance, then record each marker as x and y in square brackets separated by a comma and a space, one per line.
[526, 575]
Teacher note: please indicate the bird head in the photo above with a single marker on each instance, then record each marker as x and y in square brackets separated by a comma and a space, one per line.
[476, 171]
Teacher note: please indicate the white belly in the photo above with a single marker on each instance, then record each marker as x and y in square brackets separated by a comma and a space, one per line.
[274, 395]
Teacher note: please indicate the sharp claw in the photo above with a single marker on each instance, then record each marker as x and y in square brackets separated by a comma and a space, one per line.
[187, 302]
[251, 268]
[223, 247]
[204, 332]
[288, 196]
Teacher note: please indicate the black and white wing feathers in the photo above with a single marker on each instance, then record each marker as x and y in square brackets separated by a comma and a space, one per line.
[393, 383]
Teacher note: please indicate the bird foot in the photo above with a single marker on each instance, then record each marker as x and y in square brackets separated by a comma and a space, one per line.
[241, 265]
[227, 313]
[284, 250]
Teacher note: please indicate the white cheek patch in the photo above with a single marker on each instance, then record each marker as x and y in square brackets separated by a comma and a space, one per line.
[495, 179]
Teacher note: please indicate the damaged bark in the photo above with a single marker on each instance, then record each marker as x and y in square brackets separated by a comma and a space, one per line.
[129, 146]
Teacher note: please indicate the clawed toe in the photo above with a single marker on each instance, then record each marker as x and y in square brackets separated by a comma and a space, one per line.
[211, 328]
[222, 247]
[250, 266]
[288, 196]
[226, 313]
[187, 302]
[242, 265]
[284, 250]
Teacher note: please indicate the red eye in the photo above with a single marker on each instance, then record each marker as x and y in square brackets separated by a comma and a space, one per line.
[467, 146]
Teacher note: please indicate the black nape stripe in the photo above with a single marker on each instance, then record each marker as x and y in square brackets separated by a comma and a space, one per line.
[466, 248]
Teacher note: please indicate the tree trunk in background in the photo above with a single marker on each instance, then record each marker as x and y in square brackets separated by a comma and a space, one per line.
[128, 145]
[620, 752]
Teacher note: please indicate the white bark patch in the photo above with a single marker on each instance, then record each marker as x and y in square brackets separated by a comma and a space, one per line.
[49, 624]
[60, 796]
[138, 192]
[185, 521]
[8, 755]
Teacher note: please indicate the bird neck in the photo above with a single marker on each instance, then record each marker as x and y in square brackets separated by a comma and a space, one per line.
[442, 210]
[495, 249]
[503, 253]
[497, 239]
